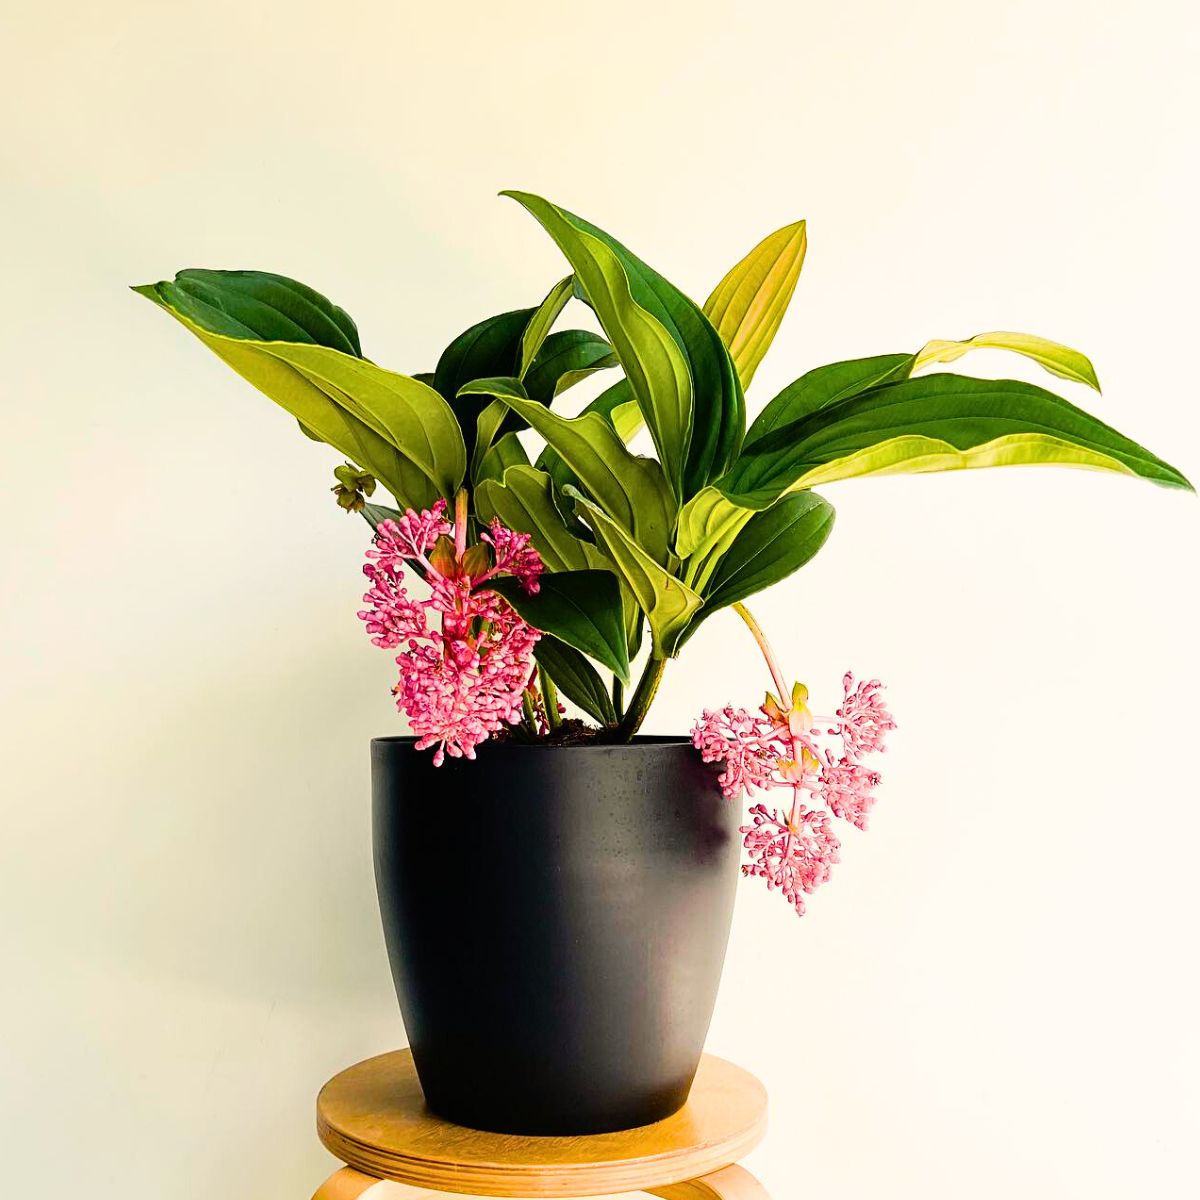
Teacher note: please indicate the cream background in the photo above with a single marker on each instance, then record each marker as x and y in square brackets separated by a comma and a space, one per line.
[997, 994]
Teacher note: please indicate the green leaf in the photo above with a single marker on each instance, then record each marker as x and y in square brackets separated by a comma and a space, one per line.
[524, 501]
[507, 452]
[618, 407]
[679, 369]
[631, 489]
[565, 358]
[581, 608]
[747, 306]
[491, 347]
[770, 547]
[669, 604]
[541, 322]
[824, 386]
[576, 678]
[374, 513]
[935, 423]
[1057, 359]
[399, 430]
[258, 306]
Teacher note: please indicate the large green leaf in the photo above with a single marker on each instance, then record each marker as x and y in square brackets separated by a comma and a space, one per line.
[823, 386]
[770, 547]
[934, 423]
[393, 426]
[631, 489]
[576, 678]
[1054, 357]
[669, 604]
[747, 306]
[565, 358]
[581, 608]
[679, 369]
[506, 452]
[258, 306]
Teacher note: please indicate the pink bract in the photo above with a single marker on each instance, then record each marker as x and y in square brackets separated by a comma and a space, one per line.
[782, 746]
[463, 677]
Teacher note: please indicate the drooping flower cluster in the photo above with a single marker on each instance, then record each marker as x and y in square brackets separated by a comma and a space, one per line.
[468, 656]
[782, 746]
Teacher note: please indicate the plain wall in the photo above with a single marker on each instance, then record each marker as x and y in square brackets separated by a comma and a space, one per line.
[997, 994]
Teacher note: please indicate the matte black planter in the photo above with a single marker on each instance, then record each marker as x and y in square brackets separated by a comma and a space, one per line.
[556, 920]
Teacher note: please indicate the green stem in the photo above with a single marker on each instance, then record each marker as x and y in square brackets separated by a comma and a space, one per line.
[618, 697]
[549, 699]
[640, 701]
[530, 722]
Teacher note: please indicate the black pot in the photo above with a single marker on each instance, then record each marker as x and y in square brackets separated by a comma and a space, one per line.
[556, 920]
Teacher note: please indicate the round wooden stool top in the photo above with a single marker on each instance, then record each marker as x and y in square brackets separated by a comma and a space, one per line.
[373, 1117]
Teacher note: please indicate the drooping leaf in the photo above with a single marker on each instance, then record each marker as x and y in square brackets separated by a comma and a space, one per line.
[538, 327]
[679, 369]
[631, 489]
[396, 428]
[576, 678]
[935, 423]
[581, 608]
[565, 358]
[669, 604]
[747, 306]
[770, 546]
[1052, 356]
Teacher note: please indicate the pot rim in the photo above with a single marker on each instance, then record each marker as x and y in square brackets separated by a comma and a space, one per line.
[642, 741]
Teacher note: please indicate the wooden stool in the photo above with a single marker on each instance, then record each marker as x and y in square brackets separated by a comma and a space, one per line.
[373, 1117]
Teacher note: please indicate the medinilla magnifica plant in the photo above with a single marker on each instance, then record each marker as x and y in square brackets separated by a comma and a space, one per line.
[499, 491]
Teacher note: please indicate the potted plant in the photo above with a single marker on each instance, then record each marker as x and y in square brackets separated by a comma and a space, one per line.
[557, 912]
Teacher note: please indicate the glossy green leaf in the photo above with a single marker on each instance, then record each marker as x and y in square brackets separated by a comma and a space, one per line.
[396, 428]
[669, 604]
[747, 306]
[581, 608]
[935, 423]
[631, 489]
[679, 369]
[1054, 357]
[576, 679]
[566, 358]
[823, 386]
[258, 306]
[538, 327]
[770, 546]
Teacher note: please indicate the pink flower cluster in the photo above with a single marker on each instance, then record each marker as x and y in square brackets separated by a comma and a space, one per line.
[781, 746]
[464, 676]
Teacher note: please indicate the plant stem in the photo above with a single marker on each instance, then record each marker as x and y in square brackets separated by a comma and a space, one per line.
[460, 523]
[640, 701]
[765, 646]
[618, 697]
[549, 699]
[527, 706]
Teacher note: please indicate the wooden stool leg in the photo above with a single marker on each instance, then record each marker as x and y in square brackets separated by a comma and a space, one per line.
[729, 1183]
[346, 1184]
